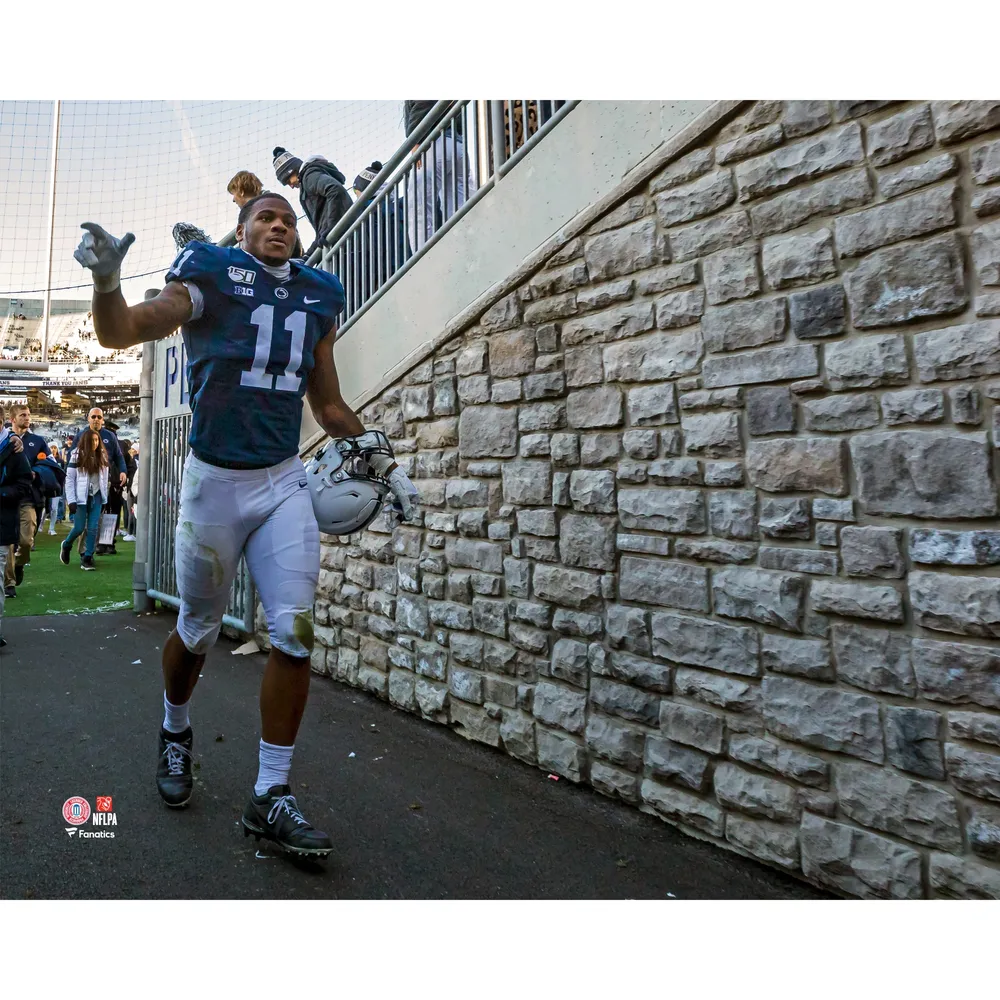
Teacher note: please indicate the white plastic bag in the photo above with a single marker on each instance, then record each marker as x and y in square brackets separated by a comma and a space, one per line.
[109, 522]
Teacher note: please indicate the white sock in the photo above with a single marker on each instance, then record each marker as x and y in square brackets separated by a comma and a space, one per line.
[275, 763]
[175, 717]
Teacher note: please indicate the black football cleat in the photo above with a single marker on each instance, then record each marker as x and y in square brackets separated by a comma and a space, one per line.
[64, 554]
[275, 816]
[18, 575]
[174, 779]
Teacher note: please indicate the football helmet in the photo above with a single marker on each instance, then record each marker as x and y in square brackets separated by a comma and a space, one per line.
[347, 493]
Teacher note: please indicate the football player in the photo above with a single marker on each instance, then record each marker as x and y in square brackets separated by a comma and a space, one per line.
[259, 331]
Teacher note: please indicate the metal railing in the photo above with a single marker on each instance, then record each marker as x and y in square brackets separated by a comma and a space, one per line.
[169, 448]
[453, 157]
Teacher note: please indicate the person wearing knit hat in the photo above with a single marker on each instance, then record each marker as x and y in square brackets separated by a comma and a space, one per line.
[366, 177]
[322, 194]
[286, 167]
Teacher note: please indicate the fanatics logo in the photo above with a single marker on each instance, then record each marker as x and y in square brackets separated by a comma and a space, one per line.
[104, 804]
[242, 274]
[76, 810]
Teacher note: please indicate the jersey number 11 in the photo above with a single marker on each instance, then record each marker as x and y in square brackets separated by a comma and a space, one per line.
[257, 377]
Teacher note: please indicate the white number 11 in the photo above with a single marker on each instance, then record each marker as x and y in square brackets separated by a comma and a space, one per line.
[257, 377]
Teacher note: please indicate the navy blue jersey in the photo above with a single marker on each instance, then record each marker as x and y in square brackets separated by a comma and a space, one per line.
[251, 351]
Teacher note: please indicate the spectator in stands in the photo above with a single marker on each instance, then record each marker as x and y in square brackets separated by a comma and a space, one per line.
[130, 469]
[446, 169]
[15, 487]
[134, 490]
[392, 252]
[31, 444]
[322, 194]
[364, 179]
[243, 187]
[87, 481]
[116, 495]
[56, 504]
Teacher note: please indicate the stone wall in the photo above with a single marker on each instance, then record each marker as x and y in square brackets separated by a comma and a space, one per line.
[710, 504]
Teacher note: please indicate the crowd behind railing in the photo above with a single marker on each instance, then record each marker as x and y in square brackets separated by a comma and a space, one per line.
[395, 209]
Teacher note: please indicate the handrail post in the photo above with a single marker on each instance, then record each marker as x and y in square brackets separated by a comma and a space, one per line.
[499, 145]
[140, 598]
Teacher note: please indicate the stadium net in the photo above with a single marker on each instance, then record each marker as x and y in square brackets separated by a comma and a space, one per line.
[143, 166]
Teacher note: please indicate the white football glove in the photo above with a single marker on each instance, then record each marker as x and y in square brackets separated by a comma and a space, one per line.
[405, 498]
[103, 254]
[377, 452]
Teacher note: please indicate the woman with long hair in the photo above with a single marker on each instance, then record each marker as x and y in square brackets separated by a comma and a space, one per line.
[87, 492]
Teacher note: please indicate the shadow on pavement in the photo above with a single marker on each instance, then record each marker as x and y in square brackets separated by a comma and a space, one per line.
[417, 813]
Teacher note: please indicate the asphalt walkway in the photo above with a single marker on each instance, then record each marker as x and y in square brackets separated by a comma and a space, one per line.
[415, 811]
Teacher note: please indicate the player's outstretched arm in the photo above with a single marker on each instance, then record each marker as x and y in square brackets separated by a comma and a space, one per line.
[117, 324]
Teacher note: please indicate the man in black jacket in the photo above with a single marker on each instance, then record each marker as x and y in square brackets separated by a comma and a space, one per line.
[15, 487]
[322, 194]
[32, 445]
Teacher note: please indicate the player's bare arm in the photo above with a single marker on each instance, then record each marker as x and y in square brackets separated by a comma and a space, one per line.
[323, 393]
[117, 324]
[339, 421]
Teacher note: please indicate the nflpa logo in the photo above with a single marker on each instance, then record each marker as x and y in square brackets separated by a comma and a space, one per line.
[104, 803]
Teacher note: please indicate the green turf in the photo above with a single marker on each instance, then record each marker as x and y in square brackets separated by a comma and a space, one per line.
[50, 588]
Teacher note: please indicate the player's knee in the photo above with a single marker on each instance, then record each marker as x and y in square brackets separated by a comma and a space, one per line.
[198, 633]
[292, 632]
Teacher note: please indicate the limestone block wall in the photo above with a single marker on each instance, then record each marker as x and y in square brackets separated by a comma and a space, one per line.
[711, 504]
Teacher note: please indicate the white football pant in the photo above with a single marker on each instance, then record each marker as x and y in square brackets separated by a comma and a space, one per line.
[265, 514]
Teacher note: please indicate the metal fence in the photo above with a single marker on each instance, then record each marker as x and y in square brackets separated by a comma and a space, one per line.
[167, 450]
[454, 156]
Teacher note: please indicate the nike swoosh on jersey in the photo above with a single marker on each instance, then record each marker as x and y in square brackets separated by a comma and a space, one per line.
[310, 302]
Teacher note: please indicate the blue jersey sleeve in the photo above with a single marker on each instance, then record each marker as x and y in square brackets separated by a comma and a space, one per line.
[196, 260]
[331, 294]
